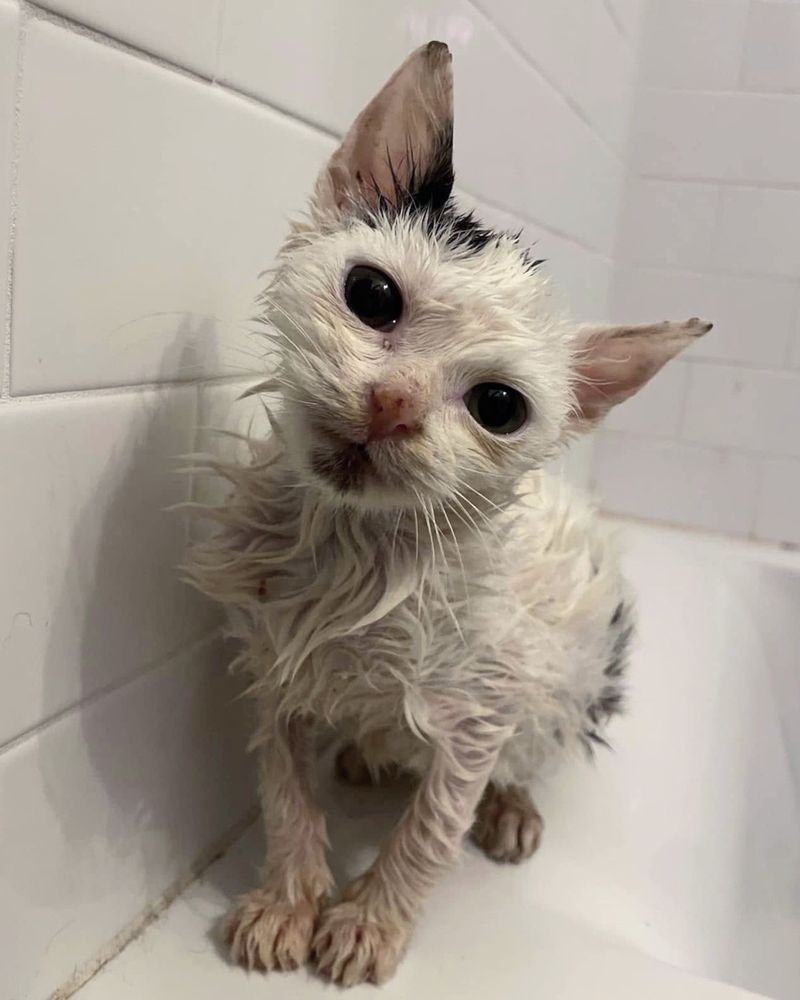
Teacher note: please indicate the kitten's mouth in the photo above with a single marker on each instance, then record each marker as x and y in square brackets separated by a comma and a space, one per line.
[345, 465]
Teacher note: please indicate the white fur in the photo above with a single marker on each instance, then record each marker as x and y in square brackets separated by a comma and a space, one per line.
[454, 609]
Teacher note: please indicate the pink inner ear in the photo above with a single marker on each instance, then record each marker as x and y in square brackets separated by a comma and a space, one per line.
[401, 127]
[615, 362]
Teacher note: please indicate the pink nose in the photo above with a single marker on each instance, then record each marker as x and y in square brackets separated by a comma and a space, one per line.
[393, 413]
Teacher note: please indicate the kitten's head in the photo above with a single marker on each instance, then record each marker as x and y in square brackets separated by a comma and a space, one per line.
[421, 360]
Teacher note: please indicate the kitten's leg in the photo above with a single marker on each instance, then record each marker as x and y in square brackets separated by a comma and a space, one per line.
[363, 937]
[271, 927]
[508, 826]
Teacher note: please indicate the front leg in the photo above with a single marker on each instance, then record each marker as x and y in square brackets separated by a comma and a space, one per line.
[364, 936]
[271, 927]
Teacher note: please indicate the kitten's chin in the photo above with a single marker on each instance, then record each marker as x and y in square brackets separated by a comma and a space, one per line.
[359, 476]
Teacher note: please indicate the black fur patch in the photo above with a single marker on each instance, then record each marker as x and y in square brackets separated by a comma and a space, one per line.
[427, 195]
[611, 700]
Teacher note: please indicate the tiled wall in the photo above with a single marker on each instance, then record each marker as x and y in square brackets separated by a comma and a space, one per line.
[711, 226]
[149, 155]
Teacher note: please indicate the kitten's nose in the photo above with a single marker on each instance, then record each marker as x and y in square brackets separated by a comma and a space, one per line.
[393, 412]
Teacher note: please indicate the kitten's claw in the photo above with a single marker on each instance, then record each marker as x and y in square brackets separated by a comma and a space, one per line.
[265, 931]
[508, 826]
[350, 947]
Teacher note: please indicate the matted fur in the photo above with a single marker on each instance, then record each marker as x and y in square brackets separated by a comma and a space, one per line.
[437, 598]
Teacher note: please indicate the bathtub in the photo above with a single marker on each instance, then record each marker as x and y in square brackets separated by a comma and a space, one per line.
[670, 868]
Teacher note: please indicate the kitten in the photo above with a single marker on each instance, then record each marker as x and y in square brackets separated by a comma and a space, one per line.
[394, 561]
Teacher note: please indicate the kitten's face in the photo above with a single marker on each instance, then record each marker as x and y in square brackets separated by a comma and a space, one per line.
[418, 370]
[421, 361]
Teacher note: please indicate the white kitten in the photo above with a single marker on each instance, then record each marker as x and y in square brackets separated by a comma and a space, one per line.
[393, 560]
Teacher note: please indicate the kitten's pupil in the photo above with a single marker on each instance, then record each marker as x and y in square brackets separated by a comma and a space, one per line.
[373, 297]
[498, 408]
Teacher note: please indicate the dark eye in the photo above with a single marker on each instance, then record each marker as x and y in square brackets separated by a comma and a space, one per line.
[373, 297]
[498, 408]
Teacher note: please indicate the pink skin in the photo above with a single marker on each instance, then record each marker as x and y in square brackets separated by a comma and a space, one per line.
[394, 412]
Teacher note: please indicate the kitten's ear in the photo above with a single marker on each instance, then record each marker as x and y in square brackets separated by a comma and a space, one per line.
[612, 363]
[401, 145]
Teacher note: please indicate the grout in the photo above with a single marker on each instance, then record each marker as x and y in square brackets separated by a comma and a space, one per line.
[722, 272]
[8, 319]
[194, 644]
[727, 182]
[136, 927]
[91, 392]
[792, 359]
[218, 45]
[519, 216]
[576, 109]
[75, 27]
[614, 18]
[704, 446]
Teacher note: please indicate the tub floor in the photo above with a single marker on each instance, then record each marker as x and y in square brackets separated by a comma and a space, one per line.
[667, 867]
[486, 932]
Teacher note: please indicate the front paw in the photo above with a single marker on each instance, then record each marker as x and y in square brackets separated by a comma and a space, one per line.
[267, 932]
[352, 947]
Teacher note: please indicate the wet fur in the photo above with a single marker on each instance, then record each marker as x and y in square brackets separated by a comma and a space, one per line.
[439, 600]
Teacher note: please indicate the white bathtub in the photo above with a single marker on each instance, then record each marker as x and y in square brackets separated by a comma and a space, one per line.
[668, 869]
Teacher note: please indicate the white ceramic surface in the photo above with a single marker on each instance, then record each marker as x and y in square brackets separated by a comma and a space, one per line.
[181, 31]
[675, 856]
[108, 805]
[9, 17]
[679, 483]
[148, 205]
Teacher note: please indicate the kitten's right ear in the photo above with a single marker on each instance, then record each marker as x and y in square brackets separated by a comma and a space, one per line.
[403, 138]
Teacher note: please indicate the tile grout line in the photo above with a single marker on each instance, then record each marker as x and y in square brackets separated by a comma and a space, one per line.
[13, 194]
[574, 107]
[719, 449]
[99, 37]
[725, 182]
[97, 392]
[614, 18]
[521, 216]
[136, 927]
[183, 648]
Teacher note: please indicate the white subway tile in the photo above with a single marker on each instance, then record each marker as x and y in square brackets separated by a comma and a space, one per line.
[741, 408]
[182, 31]
[89, 591]
[693, 44]
[778, 514]
[9, 18]
[753, 317]
[657, 408]
[109, 805]
[148, 204]
[675, 482]
[507, 116]
[629, 14]
[759, 231]
[733, 137]
[772, 50]
[578, 48]
[668, 224]
[581, 279]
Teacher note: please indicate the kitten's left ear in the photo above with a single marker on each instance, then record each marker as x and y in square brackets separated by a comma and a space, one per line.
[400, 146]
[612, 363]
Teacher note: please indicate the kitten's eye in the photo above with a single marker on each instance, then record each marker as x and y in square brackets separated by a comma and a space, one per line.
[498, 408]
[373, 297]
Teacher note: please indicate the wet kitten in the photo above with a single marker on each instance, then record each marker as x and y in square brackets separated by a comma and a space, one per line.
[394, 561]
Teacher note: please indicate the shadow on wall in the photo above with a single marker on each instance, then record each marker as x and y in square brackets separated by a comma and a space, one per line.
[162, 730]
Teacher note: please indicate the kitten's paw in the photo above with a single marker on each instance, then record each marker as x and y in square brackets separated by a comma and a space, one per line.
[508, 826]
[350, 947]
[265, 931]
